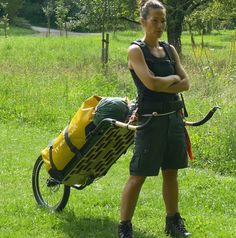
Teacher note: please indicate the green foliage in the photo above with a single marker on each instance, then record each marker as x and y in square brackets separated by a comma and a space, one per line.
[4, 20]
[105, 14]
[215, 16]
[48, 11]
[61, 12]
[13, 7]
[83, 15]
[5, 24]
[32, 11]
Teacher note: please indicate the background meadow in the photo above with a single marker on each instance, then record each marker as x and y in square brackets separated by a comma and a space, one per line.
[44, 81]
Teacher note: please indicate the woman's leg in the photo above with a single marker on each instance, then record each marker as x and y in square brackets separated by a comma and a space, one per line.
[170, 191]
[174, 222]
[130, 197]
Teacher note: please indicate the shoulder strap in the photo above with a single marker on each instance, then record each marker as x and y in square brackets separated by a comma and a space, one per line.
[147, 53]
[169, 54]
[139, 42]
[143, 46]
[168, 50]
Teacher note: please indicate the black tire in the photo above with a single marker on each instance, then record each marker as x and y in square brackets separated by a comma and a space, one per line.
[48, 192]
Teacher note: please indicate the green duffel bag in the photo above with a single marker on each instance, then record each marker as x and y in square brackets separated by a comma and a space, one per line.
[111, 107]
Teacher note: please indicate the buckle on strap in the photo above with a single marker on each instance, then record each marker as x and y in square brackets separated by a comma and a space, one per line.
[156, 114]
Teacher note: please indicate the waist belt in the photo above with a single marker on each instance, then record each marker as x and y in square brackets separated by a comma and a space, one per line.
[159, 107]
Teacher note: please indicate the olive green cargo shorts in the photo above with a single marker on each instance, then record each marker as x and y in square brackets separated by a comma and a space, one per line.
[161, 145]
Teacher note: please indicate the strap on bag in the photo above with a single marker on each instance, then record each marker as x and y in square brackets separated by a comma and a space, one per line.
[53, 171]
[72, 147]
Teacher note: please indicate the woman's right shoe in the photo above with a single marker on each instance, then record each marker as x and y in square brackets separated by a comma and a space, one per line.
[175, 227]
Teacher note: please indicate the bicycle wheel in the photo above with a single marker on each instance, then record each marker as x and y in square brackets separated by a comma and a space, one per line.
[48, 192]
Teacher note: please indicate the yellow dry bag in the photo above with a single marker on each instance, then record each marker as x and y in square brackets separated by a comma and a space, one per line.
[63, 149]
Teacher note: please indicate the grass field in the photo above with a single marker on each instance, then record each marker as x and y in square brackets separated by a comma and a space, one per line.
[207, 200]
[43, 82]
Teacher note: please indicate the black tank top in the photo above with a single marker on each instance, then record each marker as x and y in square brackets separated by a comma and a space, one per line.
[162, 67]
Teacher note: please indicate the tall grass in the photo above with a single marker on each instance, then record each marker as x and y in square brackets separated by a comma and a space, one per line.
[16, 31]
[44, 80]
[213, 83]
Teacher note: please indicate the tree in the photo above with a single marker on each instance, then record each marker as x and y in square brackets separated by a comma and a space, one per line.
[108, 14]
[13, 7]
[61, 12]
[48, 11]
[225, 12]
[4, 20]
[216, 16]
[177, 11]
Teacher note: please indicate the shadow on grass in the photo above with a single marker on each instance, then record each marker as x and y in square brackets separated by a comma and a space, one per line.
[88, 227]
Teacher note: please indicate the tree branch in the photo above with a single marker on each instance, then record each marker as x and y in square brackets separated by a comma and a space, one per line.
[195, 5]
[129, 20]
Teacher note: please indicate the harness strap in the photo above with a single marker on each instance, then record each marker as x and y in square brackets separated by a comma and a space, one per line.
[147, 54]
[169, 54]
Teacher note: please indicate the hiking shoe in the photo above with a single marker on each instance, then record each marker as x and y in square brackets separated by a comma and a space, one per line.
[175, 227]
[125, 229]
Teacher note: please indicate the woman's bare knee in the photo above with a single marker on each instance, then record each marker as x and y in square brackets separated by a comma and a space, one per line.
[136, 180]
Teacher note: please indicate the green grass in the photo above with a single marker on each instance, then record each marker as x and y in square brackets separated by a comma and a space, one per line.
[16, 31]
[43, 82]
[207, 200]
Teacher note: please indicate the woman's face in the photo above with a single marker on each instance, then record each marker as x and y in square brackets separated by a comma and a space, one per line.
[155, 23]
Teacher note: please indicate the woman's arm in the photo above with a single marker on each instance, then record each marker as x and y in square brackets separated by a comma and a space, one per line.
[137, 62]
[183, 84]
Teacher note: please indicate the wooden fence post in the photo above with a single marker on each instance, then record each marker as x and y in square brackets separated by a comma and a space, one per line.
[105, 47]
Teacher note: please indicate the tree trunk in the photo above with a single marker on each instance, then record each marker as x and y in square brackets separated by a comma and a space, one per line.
[175, 18]
[174, 37]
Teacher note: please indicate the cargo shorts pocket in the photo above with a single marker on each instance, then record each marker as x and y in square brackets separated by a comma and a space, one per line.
[141, 158]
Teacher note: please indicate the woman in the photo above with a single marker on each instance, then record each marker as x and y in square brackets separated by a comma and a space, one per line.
[162, 145]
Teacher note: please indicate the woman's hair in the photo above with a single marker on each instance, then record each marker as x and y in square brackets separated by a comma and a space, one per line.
[146, 5]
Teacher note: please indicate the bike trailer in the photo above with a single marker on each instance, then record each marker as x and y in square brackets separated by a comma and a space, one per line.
[86, 149]
[67, 146]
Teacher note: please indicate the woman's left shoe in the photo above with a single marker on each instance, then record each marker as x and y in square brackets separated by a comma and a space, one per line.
[125, 229]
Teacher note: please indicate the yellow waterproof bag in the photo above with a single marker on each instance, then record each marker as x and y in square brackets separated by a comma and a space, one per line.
[63, 148]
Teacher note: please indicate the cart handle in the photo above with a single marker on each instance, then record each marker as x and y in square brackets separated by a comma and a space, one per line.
[144, 125]
[204, 120]
[132, 127]
[155, 114]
